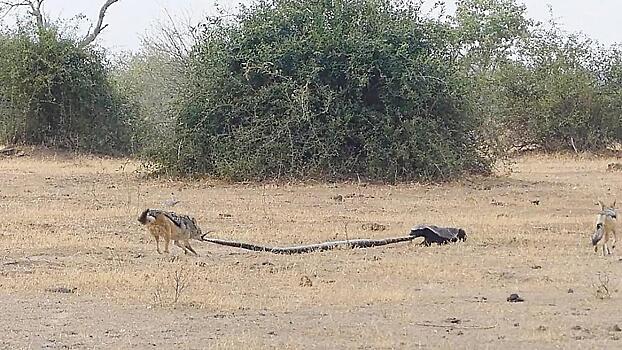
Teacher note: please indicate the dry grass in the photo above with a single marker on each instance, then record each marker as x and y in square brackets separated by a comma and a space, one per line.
[72, 222]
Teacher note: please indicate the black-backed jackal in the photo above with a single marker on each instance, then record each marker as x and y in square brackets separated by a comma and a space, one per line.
[606, 222]
[170, 226]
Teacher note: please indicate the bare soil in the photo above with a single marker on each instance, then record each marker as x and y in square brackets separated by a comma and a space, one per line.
[77, 270]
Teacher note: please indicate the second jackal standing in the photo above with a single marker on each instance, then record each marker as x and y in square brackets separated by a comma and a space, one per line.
[606, 223]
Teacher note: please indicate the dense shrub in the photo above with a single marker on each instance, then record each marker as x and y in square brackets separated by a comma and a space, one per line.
[535, 84]
[56, 94]
[562, 94]
[325, 89]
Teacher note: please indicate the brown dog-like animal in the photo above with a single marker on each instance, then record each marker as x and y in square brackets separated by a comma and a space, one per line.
[170, 226]
[606, 223]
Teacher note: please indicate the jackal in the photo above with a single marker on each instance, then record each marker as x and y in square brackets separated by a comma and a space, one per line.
[170, 226]
[606, 222]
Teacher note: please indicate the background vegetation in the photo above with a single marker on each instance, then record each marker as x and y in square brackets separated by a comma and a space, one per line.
[54, 93]
[282, 89]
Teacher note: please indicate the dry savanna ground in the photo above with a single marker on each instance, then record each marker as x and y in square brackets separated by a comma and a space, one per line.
[78, 271]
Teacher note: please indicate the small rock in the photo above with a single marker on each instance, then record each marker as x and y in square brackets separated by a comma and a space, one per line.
[453, 320]
[170, 202]
[374, 226]
[536, 267]
[542, 328]
[616, 328]
[305, 281]
[570, 290]
[535, 202]
[337, 198]
[515, 298]
[576, 328]
[614, 167]
[516, 324]
[497, 203]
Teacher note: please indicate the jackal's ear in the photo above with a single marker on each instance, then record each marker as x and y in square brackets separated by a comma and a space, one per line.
[613, 205]
[602, 205]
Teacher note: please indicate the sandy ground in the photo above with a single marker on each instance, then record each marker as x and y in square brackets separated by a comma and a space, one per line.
[77, 270]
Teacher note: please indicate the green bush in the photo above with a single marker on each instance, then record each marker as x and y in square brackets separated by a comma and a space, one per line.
[54, 93]
[563, 94]
[533, 83]
[325, 89]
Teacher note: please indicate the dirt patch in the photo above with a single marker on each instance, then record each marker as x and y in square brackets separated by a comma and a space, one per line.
[78, 271]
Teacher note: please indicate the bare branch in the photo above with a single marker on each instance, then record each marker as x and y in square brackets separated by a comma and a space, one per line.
[14, 4]
[7, 6]
[172, 37]
[91, 36]
[35, 7]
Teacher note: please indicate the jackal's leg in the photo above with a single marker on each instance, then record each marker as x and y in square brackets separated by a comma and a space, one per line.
[182, 247]
[167, 240]
[157, 239]
[187, 244]
[613, 239]
[167, 237]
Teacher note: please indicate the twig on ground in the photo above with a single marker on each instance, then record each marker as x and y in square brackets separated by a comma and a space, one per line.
[434, 325]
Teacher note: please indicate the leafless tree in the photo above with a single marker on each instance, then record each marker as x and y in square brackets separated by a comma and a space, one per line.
[34, 8]
[173, 37]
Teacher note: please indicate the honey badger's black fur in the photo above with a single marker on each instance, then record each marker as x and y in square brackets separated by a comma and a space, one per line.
[439, 235]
